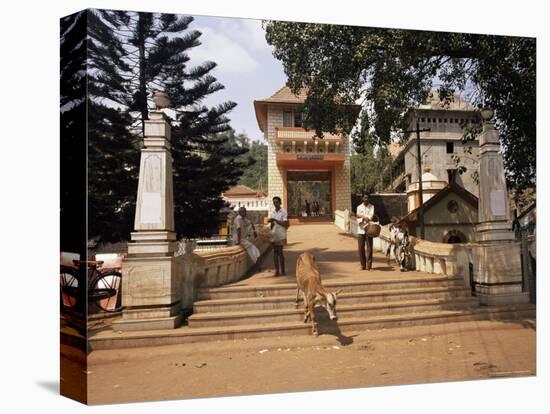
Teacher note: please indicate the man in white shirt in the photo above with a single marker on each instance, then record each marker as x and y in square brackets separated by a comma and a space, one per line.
[242, 231]
[278, 220]
[365, 213]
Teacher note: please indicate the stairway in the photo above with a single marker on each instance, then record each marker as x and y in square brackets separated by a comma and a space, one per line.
[233, 312]
[249, 311]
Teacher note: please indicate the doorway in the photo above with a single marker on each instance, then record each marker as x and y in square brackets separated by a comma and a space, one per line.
[309, 194]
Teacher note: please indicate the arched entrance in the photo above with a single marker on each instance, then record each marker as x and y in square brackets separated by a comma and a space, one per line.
[454, 236]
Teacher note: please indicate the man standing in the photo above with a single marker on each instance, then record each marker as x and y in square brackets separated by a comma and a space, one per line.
[242, 232]
[279, 223]
[365, 213]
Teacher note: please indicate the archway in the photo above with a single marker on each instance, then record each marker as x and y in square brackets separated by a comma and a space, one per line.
[454, 236]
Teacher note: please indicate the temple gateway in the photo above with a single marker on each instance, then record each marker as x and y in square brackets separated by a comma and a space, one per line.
[311, 175]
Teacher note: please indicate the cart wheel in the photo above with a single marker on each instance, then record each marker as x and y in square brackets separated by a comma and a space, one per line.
[107, 293]
[68, 287]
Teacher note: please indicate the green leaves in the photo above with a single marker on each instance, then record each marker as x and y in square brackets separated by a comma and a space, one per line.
[392, 70]
[126, 57]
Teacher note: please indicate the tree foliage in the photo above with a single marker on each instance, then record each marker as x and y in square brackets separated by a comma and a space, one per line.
[128, 56]
[369, 169]
[391, 70]
[255, 176]
[73, 218]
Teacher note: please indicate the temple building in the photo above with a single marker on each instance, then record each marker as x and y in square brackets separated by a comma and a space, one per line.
[311, 175]
[440, 147]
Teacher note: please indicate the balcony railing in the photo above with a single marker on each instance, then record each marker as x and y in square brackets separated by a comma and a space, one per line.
[300, 134]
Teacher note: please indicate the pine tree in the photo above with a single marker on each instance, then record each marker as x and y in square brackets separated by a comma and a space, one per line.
[113, 148]
[148, 53]
[72, 125]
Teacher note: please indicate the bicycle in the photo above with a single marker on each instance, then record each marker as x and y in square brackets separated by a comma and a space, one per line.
[103, 285]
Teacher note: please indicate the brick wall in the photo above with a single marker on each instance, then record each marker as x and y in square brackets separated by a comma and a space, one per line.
[343, 181]
[275, 177]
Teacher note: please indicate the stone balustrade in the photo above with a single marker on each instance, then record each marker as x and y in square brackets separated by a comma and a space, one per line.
[341, 219]
[439, 258]
[218, 267]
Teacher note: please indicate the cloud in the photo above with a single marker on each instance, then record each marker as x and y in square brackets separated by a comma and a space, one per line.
[252, 32]
[230, 55]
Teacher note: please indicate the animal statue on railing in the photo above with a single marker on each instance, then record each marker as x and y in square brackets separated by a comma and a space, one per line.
[400, 244]
[308, 279]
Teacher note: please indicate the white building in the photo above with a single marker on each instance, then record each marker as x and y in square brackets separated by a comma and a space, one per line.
[243, 196]
[440, 148]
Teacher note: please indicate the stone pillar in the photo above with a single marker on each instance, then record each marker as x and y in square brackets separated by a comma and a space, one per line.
[497, 262]
[151, 287]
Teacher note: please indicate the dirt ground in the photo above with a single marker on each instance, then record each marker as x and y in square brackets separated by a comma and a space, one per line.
[421, 354]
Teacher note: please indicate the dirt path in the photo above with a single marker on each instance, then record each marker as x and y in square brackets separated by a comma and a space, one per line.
[452, 352]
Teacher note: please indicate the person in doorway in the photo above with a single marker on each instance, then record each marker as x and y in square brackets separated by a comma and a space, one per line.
[278, 220]
[308, 209]
[315, 208]
[243, 232]
[365, 213]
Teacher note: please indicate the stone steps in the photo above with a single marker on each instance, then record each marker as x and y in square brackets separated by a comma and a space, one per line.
[289, 289]
[345, 298]
[266, 310]
[225, 318]
[185, 334]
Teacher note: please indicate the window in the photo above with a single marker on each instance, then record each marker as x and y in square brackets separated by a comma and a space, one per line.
[450, 147]
[298, 119]
[292, 119]
[287, 119]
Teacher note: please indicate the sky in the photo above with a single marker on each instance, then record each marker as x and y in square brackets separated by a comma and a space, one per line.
[246, 66]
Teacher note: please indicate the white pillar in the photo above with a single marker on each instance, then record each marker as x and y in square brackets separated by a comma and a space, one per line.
[497, 264]
[151, 289]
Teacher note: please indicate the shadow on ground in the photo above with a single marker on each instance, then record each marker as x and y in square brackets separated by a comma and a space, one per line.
[328, 327]
[51, 386]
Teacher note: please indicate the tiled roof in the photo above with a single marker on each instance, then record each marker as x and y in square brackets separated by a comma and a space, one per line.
[241, 191]
[285, 95]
